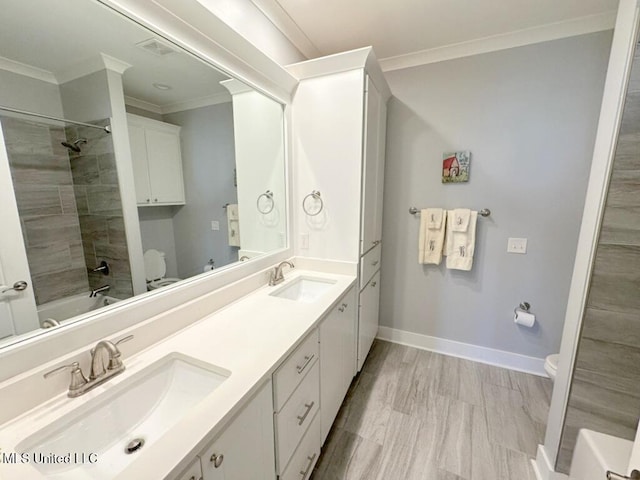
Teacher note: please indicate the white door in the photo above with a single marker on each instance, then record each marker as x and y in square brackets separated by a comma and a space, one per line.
[165, 166]
[18, 312]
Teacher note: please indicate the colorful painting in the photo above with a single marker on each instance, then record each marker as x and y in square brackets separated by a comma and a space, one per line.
[455, 167]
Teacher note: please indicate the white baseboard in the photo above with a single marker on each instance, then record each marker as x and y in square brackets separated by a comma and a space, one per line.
[499, 358]
[542, 467]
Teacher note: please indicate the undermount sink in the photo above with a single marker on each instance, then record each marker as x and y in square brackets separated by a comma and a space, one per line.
[115, 427]
[304, 289]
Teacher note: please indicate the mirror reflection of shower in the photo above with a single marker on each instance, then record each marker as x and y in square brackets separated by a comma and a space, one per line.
[74, 146]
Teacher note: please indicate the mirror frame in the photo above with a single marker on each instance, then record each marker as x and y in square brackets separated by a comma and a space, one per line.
[200, 33]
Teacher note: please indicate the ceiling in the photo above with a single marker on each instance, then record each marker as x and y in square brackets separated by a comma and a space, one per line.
[64, 39]
[400, 27]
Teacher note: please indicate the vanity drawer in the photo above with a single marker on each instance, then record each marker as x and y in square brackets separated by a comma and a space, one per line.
[370, 264]
[306, 455]
[296, 415]
[293, 369]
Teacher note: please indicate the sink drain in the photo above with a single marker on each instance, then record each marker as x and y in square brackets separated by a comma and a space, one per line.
[134, 445]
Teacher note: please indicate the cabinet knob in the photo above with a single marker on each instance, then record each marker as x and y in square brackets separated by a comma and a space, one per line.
[373, 284]
[341, 309]
[373, 264]
[216, 459]
[155, 199]
[148, 200]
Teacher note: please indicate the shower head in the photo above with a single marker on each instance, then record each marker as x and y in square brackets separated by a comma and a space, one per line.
[74, 146]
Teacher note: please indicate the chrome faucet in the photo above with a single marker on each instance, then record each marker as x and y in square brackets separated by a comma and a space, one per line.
[79, 383]
[277, 275]
[98, 290]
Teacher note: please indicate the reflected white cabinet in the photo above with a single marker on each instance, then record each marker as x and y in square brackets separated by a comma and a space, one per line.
[339, 128]
[244, 450]
[337, 358]
[157, 161]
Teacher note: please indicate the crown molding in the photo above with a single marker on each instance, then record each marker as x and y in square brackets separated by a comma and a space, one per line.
[95, 64]
[519, 38]
[279, 17]
[236, 86]
[142, 104]
[23, 69]
[215, 99]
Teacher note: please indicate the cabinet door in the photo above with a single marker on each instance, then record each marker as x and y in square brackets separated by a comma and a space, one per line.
[331, 367]
[140, 165]
[337, 359]
[368, 317]
[194, 472]
[245, 449]
[382, 146]
[165, 166]
[370, 168]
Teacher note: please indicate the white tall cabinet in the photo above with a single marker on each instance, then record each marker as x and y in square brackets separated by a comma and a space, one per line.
[339, 127]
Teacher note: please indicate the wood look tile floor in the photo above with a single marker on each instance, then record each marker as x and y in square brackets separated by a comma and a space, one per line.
[418, 415]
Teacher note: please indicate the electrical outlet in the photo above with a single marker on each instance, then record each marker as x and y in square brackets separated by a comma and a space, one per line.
[304, 241]
[215, 225]
[517, 245]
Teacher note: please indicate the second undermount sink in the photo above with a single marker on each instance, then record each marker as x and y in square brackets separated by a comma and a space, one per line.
[108, 432]
[304, 289]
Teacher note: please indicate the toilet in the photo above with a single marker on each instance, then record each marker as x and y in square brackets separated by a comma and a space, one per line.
[155, 269]
[551, 365]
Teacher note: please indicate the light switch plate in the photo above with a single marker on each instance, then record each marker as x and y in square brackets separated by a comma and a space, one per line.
[215, 225]
[517, 245]
[304, 241]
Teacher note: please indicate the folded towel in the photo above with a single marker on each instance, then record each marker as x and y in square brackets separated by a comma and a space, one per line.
[431, 239]
[460, 219]
[232, 211]
[434, 218]
[460, 246]
[233, 224]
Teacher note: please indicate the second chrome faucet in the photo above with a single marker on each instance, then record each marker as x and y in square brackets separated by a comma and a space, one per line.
[100, 373]
[276, 275]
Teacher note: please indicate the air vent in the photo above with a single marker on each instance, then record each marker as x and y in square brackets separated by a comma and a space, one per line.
[155, 46]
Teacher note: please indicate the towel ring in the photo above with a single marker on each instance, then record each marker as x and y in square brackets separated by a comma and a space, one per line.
[315, 194]
[269, 196]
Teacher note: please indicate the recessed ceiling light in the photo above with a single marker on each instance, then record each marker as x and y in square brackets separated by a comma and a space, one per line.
[162, 86]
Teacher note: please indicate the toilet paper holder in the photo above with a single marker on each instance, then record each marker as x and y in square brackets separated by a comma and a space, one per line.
[524, 306]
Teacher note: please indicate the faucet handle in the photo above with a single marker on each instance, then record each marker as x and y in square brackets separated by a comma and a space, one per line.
[114, 361]
[123, 339]
[77, 377]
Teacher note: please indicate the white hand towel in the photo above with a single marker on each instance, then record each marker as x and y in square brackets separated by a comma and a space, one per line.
[459, 219]
[233, 224]
[431, 240]
[460, 246]
[434, 218]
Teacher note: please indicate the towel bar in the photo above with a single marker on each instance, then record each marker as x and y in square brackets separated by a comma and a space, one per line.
[485, 212]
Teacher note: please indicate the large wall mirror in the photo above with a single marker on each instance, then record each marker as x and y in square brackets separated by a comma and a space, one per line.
[201, 161]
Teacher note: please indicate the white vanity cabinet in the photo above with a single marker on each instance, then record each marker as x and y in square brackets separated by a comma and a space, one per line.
[295, 414]
[193, 472]
[337, 358]
[244, 450]
[157, 161]
[339, 117]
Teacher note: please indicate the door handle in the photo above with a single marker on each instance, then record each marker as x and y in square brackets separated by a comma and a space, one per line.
[19, 286]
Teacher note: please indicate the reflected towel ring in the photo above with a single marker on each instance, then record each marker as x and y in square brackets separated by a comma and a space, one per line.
[315, 194]
[269, 196]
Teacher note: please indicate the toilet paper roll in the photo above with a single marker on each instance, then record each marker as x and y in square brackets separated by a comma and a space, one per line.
[523, 318]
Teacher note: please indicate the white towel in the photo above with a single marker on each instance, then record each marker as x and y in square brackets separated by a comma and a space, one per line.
[460, 246]
[431, 239]
[233, 224]
[460, 219]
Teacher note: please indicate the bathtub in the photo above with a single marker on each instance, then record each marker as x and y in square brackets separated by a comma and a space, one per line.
[69, 307]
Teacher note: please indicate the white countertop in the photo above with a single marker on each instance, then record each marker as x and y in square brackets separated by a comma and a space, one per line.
[249, 337]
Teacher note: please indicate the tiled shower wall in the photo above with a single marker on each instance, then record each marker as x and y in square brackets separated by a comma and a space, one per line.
[97, 195]
[44, 193]
[605, 390]
[70, 209]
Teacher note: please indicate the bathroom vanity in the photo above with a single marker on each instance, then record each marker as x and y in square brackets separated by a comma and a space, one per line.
[268, 375]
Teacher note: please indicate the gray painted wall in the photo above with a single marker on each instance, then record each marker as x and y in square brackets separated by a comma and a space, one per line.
[208, 161]
[605, 387]
[26, 93]
[528, 115]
